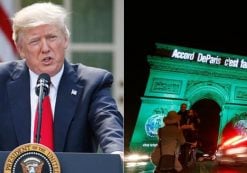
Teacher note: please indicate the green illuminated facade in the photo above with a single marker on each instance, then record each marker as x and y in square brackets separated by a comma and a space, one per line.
[186, 75]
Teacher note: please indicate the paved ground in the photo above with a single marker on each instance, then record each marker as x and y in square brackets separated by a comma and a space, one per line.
[199, 167]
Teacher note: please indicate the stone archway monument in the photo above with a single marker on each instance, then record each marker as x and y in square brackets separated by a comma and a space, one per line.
[186, 75]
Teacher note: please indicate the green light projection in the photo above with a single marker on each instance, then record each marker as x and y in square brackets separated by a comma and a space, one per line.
[186, 75]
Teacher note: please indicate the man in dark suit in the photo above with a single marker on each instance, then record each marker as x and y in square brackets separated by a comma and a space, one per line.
[85, 114]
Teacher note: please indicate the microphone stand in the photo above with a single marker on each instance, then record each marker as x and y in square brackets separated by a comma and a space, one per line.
[40, 101]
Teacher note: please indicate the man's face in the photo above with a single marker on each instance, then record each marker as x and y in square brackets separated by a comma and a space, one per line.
[43, 47]
[183, 107]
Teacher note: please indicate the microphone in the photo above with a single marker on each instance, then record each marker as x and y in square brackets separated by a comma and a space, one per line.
[43, 85]
[42, 89]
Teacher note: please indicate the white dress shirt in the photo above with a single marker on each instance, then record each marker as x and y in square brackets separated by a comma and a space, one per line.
[34, 98]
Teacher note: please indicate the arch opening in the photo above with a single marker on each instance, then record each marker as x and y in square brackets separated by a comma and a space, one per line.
[209, 113]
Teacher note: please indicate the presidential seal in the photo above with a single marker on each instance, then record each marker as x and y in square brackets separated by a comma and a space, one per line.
[32, 158]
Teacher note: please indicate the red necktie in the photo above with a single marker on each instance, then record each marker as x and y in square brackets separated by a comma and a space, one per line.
[46, 132]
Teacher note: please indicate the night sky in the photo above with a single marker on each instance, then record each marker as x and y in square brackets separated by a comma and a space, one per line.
[203, 26]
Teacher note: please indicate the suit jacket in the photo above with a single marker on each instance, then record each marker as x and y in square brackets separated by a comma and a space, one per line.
[82, 121]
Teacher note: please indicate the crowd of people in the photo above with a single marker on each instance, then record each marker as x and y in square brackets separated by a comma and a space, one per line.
[189, 124]
[179, 137]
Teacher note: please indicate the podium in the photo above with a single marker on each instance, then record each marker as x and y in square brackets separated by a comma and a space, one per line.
[82, 162]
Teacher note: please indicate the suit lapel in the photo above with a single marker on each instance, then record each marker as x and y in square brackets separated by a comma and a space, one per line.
[19, 97]
[68, 95]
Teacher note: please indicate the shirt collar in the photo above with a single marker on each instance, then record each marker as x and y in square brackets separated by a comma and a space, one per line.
[54, 79]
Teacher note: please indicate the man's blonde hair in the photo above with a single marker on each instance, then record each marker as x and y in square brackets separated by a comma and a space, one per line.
[39, 14]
